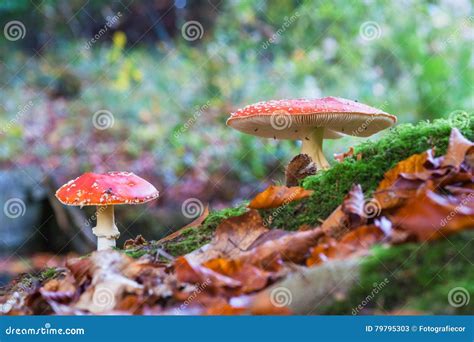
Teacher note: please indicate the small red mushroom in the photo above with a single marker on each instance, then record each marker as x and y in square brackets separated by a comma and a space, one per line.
[105, 191]
[310, 120]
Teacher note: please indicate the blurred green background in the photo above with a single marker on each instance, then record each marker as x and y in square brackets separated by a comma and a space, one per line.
[146, 86]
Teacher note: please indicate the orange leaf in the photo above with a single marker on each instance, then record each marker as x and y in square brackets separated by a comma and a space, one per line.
[233, 236]
[275, 196]
[250, 277]
[429, 215]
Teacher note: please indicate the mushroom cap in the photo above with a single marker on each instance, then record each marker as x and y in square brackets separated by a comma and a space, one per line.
[296, 118]
[110, 188]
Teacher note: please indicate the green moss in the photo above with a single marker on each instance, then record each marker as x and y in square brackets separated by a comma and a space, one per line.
[332, 185]
[414, 277]
[48, 273]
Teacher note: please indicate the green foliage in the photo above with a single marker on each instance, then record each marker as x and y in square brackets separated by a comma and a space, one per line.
[426, 273]
[332, 185]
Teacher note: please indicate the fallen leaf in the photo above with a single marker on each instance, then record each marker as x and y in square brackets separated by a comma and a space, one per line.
[339, 157]
[413, 164]
[457, 149]
[299, 168]
[250, 277]
[233, 236]
[108, 284]
[133, 243]
[276, 196]
[188, 271]
[293, 247]
[430, 216]
[353, 212]
[355, 243]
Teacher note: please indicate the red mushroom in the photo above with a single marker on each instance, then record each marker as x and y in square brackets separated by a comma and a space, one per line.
[105, 191]
[310, 120]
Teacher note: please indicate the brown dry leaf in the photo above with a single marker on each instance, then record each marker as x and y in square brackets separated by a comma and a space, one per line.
[271, 235]
[250, 277]
[339, 157]
[457, 149]
[275, 196]
[197, 222]
[326, 249]
[107, 285]
[354, 243]
[299, 167]
[429, 215]
[233, 236]
[59, 290]
[402, 182]
[293, 247]
[413, 164]
[137, 242]
[189, 272]
[351, 213]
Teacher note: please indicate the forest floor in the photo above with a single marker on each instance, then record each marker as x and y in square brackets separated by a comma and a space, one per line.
[387, 229]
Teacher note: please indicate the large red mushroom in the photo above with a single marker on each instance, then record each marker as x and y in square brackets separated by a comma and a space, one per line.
[311, 121]
[105, 191]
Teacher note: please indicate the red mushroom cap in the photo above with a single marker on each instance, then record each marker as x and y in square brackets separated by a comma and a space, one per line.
[336, 114]
[111, 188]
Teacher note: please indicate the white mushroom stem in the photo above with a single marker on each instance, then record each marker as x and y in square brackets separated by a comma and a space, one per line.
[105, 230]
[313, 146]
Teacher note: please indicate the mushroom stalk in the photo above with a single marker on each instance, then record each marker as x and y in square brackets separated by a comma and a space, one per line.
[313, 146]
[105, 230]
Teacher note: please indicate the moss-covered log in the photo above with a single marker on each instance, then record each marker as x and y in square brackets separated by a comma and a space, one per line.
[332, 185]
[433, 277]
